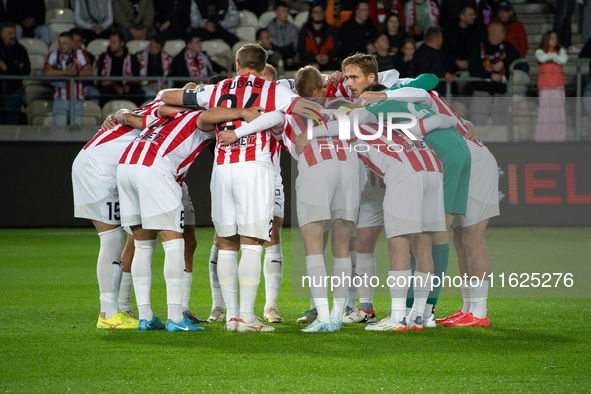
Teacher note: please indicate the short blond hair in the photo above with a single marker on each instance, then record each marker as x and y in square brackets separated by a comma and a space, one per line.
[307, 80]
[367, 63]
[272, 71]
[252, 56]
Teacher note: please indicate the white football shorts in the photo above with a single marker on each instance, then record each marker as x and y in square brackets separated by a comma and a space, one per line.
[188, 206]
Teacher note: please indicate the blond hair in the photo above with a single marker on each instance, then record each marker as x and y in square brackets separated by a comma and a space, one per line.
[307, 80]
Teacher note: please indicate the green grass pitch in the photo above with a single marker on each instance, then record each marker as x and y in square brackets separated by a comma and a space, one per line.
[49, 341]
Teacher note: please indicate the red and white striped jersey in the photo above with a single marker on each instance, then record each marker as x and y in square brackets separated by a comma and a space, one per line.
[276, 156]
[387, 78]
[245, 91]
[107, 146]
[319, 149]
[169, 145]
[400, 156]
[375, 181]
[61, 89]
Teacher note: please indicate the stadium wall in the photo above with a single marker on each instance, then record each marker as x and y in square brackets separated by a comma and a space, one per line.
[539, 184]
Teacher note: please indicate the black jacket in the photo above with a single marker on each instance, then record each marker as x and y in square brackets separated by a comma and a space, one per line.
[492, 53]
[355, 37]
[17, 63]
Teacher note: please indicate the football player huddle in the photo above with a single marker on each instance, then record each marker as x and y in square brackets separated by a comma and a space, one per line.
[415, 180]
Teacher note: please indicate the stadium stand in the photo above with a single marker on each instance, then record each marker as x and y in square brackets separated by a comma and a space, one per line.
[98, 46]
[111, 107]
[268, 16]
[173, 47]
[300, 19]
[34, 46]
[136, 46]
[92, 113]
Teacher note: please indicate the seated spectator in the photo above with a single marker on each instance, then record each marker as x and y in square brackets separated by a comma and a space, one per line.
[462, 38]
[255, 6]
[265, 40]
[90, 91]
[386, 59]
[135, 18]
[405, 63]
[193, 63]
[430, 59]
[394, 31]
[449, 10]
[173, 22]
[357, 32]
[14, 60]
[118, 62]
[318, 43]
[420, 15]
[337, 12]
[380, 9]
[491, 62]
[213, 19]
[28, 16]
[154, 62]
[94, 18]
[514, 30]
[285, 36]
[487, 11]
[67, 61]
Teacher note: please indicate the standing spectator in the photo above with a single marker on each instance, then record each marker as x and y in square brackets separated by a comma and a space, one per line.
[386, 59]
[551, 118]
[514, 30]
[461, 39]
[117, 62]
[380, 9]
[154, 62]
[94, 18]
[134, 18]
[193, 63]
[265, 40]
[449, 10]
[584, 54]
[90, 91]
[429, 58]
[405, 63]
[563, 22]
[29, 17]
[394, 31]
[285, 36]
[66, 61]
[491, 62]
[14, 60]
[318, 42]
[213, 19]
[420, 15]
[337, 12]
[356, 33]
[487, 11]
[173, 18]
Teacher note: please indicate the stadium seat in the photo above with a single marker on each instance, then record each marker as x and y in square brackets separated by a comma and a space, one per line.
[34, 46]
[268, 16]
[221, 60]
[246, 33]
[218, 51]
[59, 15]
[92, 113]
[37, 91]
[53, 46]
[55, 28]
[98, 46]
[173, 47]
[111, 107]
[248, 18]
[37, 63]
[136, 46]
[301, 18]
[38, 111]
[49, 4]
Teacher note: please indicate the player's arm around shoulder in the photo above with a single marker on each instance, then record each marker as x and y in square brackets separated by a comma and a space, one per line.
[128, 118]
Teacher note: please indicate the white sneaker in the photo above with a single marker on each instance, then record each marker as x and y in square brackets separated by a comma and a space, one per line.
[336, 324]
[271, 315]
[309, 316]
[232, 325]
[217, 314]
[319, 326]
[256, 326]
[429, 322]
[387, 324]
[360, 316]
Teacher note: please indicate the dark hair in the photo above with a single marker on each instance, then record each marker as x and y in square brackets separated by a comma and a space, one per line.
[118, 34]
[66, 34]
[310, 21]
[375, 87]
[546, 42]
[189, 37]
[377, 35]
[385, 25]
[431, 33]
[359, 2]
[259, 32]
[279, 4]
[463, 8]
[159, 39]
[76, 32]
[216, 78]
[7, 24]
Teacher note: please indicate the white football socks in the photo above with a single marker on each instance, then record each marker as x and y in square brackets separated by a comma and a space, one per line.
[478, 296]
[273, 270]
[187, 290]
[421, 289]
[216, 292]
[249, 278]
[465, 289]
[341, 270]
[125, 290]
[366, 266]
[108, 269]
[227, 272]
[316, 270]
[399, 282]
[353, 290]
[174, 275]
[141, 270]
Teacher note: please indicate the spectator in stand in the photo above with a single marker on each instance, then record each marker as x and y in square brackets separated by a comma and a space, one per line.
[405, 63]
[193, 63]
[319, 42]
[297, 6]
[449, 10]
[420, 15]
[285, 36]
[386, 59]
[154, 62]
[430, 59]
[213, 19]
[487, 11]
[585, 54]
[135, 18]
[117, 62]
[67, 61]
[14, 60]
[357, 32]
[173, 19]
[28, 16]
[94, 18]
[90, 91]
[394, 31]
[514, 30]
[380, 9]
[265, 40]
[337, 12]
[551, 118]
[255, 6]
[461, 39]
[563, 23]
[491, 62]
